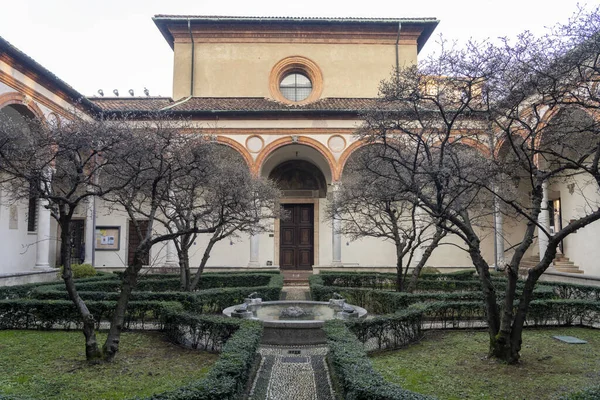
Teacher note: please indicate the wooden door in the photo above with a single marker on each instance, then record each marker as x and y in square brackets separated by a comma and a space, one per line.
[296, 237]
[134, 242]
[77, 242]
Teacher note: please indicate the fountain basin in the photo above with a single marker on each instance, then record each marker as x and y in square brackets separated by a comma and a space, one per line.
[294, 328]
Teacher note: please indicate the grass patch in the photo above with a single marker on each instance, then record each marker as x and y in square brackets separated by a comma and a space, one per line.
[454, 365]
[51, 365]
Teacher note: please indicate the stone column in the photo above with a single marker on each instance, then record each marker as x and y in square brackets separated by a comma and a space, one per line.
[498, 225]
[420, 216]
[171, 260]
[43, 236]
[336, 226]
[89, 231]
[543, 221]
[254, 246]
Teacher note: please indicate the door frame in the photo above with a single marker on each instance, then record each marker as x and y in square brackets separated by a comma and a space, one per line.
[276, 227]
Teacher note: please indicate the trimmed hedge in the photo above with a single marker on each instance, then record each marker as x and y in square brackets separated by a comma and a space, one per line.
[388, 331]
[49, 314]
[22, 291]
[209, 301]
[385, 302]
[229, 376]
[352, 371]
[385, 281]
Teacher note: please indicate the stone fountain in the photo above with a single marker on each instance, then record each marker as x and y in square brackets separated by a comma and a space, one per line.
[294, 322]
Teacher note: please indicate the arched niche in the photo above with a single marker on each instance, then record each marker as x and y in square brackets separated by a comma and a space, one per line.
[299, 175]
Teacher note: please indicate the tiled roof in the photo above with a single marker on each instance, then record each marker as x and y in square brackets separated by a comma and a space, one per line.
[124, 104]
[224, 18]
[49, 78]
[232, 105]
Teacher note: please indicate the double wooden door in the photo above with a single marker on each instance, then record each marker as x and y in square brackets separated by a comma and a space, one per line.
[296, 237]
[134, 242]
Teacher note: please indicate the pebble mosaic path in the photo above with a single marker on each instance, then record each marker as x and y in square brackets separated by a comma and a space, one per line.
[292, 373]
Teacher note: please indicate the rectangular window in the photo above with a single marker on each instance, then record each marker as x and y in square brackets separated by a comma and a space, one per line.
[32, 212]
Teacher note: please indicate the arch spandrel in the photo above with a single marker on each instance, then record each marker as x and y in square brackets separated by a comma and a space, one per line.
[239, 148]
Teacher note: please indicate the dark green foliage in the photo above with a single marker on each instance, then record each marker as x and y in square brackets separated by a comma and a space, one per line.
[385, 302]
[229, 375]
[208, 332]
[390, 331]
[23, 291]
[591, 393]
[82, 270]
[48, 314]
[353, 372]
[208, 301]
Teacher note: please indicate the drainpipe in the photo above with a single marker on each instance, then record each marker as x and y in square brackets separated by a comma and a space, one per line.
[397, 52]
[192, 63]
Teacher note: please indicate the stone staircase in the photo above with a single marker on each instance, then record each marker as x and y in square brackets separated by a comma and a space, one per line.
[561, 264]
[296, 278]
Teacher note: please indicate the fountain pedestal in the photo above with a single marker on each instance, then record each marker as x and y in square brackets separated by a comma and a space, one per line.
[296, 323]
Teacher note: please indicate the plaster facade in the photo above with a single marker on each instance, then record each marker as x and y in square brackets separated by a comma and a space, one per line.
[227, 61]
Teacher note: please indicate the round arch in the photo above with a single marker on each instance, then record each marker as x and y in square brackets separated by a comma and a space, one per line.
[269, 149]
[15, 98]
[346, 155]
[239, 148]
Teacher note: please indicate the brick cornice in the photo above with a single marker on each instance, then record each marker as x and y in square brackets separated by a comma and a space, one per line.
[217, 33]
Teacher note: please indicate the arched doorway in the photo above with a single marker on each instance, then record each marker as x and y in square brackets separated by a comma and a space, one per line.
[303, 175]
[298, 178]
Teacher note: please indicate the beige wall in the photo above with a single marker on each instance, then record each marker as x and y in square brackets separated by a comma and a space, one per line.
[243, 69]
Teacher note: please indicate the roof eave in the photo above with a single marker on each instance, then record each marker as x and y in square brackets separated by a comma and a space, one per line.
[29, 63]
[162, 22]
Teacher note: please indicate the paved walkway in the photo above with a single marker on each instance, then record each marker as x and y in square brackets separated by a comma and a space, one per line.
[292, 373]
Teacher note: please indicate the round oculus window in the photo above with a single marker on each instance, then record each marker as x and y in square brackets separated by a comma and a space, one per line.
[295, 86]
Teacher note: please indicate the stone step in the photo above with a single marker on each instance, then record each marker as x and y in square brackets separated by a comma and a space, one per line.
[575, 270]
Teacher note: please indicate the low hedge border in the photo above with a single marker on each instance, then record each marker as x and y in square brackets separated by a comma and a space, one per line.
[208, 301]
[377, 280]
[229, 376]
[385, 302]
[22, 291]
[352, 372]
[49, 314]
[399, 329]
[167, 284]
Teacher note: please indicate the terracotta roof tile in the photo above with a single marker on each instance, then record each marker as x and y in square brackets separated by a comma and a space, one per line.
[125, 104]
[232, 104]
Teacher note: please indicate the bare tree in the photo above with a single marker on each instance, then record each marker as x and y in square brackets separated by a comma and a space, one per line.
[226, 199]
[492, 97]
[59, 165]
[162, 157]
[370, 205]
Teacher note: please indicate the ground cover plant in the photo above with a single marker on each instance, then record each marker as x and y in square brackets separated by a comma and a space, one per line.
[192, 320]
[45, 365]
[454, 365]
[447, 301]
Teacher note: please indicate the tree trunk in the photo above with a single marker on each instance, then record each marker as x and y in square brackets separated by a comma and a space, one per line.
[111, 346]
[439, 234]
[205, 258]
[399, 270]
[92, 351]
[488, 289]
[184, 268]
